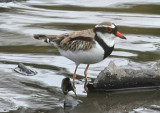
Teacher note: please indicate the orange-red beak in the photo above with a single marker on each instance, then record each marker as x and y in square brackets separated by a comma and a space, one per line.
[120, 35]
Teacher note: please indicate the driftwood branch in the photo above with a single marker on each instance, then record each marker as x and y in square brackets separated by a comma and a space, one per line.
[113, 77]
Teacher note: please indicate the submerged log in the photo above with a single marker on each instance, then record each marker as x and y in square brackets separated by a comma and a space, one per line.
[22, 69]
[113, 77]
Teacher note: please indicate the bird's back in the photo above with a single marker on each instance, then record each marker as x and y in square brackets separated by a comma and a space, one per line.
[65, 41]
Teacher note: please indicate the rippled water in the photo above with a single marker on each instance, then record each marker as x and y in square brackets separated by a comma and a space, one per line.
[138, 20]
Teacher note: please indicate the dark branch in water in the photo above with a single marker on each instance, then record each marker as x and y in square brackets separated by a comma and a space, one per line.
[22, 69]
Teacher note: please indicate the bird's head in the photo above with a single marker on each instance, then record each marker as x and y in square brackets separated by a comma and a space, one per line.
[108, 31]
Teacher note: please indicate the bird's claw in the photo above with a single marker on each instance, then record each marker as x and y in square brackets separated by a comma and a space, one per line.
[74, 89]
[74, 85]
[85, 86]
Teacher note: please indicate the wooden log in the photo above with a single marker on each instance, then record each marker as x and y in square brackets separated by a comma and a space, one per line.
[115, 78]
[22, 69]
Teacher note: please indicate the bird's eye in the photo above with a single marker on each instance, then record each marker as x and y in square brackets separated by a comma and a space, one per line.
[109, 30]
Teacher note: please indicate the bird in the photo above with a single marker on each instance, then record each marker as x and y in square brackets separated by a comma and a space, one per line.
[87, 46]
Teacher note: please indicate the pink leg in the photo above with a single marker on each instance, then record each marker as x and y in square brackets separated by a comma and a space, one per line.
[85, 73]
[74, 77]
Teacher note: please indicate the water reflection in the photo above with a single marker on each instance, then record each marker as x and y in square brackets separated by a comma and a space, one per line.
[119, 102]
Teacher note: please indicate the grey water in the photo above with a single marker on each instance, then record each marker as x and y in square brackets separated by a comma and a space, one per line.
[138, 20]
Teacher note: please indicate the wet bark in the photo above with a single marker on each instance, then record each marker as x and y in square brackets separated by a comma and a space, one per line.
[115, 78]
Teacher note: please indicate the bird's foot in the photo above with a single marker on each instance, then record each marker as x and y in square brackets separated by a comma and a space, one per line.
[85, 86]
[74, 85]
[74, 89]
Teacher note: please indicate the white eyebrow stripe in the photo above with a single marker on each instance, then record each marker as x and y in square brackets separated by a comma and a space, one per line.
[113, 26]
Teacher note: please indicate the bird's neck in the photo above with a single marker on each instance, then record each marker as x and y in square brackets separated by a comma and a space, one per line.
[107, 38]
[106, 44]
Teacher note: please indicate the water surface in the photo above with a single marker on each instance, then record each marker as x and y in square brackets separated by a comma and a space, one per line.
[138, 20]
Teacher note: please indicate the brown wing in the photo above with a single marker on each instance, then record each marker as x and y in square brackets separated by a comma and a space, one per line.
[78, 40]
[51, 38]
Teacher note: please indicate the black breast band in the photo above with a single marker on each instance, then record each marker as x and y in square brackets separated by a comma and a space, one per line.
[107, 50]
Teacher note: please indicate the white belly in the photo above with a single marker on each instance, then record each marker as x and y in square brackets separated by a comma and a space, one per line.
[91, 56]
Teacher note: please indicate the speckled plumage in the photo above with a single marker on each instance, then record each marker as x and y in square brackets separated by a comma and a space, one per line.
[79, 40]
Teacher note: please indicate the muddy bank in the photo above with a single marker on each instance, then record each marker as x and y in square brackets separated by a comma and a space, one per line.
[114, 77]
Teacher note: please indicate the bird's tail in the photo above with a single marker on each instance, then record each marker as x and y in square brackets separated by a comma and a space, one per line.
[45, 38]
